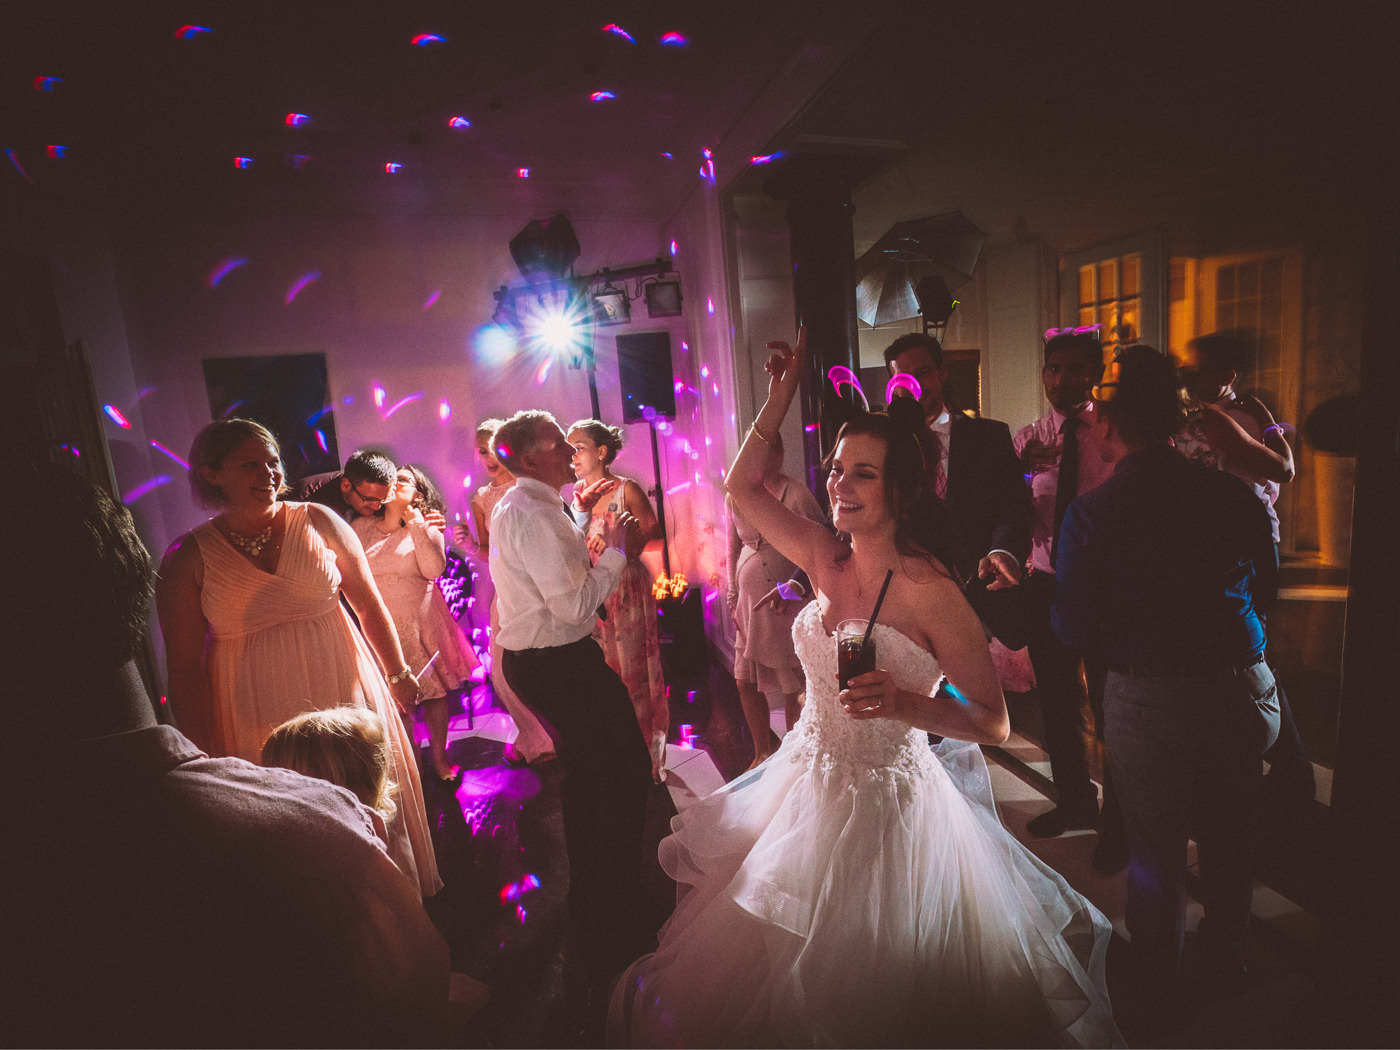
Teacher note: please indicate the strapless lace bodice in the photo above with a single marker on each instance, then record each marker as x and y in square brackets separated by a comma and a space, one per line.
[845, 747]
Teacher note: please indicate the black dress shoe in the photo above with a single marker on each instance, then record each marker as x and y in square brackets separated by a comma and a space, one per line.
[1061, 819]
[1110, 856]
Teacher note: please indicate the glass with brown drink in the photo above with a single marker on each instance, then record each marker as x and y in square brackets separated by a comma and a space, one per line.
[852, 659]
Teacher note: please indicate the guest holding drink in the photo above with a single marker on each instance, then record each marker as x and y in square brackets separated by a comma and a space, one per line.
[858, 889]
[628, 632]
[406, 556]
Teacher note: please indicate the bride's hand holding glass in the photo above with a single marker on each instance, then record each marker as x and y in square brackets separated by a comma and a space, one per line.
[872, 695]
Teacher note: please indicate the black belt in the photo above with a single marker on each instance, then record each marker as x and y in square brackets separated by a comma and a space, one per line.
[1185, 669]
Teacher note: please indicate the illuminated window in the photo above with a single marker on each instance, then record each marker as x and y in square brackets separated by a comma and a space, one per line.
[1117, 286]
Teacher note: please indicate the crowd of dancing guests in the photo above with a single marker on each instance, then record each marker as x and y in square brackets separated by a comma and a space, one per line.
[854, 887]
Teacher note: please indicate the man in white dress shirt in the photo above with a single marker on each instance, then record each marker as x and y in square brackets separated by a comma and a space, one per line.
[548, 596]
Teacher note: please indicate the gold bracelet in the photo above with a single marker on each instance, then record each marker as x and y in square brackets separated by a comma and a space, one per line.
[772, 443]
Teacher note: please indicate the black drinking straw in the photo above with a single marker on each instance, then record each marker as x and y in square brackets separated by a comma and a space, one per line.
[879, 601]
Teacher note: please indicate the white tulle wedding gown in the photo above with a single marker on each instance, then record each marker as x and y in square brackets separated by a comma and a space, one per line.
[858, 889]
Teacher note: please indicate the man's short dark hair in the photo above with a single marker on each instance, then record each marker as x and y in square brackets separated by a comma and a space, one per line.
[1229, 351]
[369, 466]
[84, 582]
[1076, 342]
[1146, 396]
[913, 341]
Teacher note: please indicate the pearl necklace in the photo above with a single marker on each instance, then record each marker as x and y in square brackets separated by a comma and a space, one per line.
[250, 545]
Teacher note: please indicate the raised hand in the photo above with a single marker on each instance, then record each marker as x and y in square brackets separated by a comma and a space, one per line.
[784, 367]
[435, 518]
[587, 497]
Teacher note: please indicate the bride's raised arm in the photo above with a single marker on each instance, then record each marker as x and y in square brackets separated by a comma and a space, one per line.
[800, 540]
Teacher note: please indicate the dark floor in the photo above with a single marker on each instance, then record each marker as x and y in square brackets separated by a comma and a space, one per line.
[500, 850]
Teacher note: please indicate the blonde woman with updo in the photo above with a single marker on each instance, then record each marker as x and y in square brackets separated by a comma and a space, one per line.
[628, 634]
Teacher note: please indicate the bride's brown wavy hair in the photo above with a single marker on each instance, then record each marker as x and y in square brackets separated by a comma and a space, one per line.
[922, 525]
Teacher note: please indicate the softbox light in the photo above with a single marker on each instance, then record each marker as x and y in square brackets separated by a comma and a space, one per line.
[545, 246]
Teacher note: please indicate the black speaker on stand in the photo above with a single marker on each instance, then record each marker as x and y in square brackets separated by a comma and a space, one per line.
[649, 393]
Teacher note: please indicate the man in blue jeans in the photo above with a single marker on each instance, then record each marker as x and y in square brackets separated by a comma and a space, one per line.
[1157, 571]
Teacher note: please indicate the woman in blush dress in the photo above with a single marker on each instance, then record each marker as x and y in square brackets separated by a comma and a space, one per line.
[628, 634]
[406, 556]
[858, 889]
[532, 744]
[249, 605]
[764, 659]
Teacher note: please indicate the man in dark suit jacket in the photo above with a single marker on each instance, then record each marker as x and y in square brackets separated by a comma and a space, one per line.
[360, 489]
[980, 479]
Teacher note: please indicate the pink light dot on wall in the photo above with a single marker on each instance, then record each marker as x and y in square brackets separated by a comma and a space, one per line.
[225, 267]
[714, 387]
[190, 32]
[243, 162]
[379, 397]
[668, 156]
[673, 40]
[57, 152]
[299, 161]
[296, 120]
[401, 402]
[444, 411]
[392, 168]
[432, 298]
[18, 166]
[685, 347]
[46, 83]
[602, 96]
[459, 123]
[617, 30]
[766, 158]
[115, 415]
[300, 284]
[674, 248]
[543, 373]
[321, 440]
[522, 173]
[704, 371]
[467, 482]
[146, 486]
[157, 445]
[423, 39]
[710, 306]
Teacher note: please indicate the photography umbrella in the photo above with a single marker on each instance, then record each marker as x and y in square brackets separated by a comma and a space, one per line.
[940, 247]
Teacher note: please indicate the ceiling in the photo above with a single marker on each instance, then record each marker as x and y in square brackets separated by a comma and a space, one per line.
[148, 115]
[151, 120]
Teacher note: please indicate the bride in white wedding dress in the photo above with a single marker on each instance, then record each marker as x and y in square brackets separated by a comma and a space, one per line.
[857, 888]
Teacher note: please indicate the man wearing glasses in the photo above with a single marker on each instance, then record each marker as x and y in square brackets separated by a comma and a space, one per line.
[360, 489]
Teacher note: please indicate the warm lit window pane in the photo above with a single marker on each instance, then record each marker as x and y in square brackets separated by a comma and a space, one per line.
[1130, 275]
[1086, 315]
[1086, 285]
[1108, 279]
